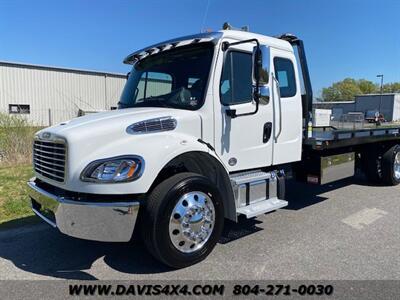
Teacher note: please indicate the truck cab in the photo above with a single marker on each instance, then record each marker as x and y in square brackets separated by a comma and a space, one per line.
[204, 131]
[215, 82]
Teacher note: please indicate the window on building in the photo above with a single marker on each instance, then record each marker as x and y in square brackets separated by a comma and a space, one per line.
[284, 71]
[153, 84]
[19, 108]
[236, 79]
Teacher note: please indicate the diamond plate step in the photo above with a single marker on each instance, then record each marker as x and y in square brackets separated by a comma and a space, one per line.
[262, 207]
[246, 177]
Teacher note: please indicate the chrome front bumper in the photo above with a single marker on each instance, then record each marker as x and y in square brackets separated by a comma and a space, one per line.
[98, 221]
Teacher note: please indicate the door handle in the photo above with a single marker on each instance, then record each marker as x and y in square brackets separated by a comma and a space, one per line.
[267, 132]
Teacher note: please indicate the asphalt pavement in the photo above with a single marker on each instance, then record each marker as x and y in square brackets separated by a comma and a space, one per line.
[347, 230]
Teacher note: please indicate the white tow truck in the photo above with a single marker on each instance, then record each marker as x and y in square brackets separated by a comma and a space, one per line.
[207, 129]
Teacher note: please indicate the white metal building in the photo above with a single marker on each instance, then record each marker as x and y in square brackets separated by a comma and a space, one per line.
[49, 95]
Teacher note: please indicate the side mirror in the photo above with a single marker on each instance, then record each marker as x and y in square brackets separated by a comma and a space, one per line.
[261, 69]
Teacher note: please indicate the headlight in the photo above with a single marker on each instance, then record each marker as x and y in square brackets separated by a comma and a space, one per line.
[113, 170]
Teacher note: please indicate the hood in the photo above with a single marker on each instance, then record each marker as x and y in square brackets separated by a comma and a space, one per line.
[104, 135]
[117, 121]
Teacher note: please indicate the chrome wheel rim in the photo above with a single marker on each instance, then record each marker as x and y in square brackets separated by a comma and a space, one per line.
[396, 166]
[192, 222]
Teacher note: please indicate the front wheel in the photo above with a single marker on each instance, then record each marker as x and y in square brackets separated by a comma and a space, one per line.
[183, 220]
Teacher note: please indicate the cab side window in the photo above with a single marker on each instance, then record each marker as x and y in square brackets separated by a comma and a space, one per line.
[284, 71]
[236, 79]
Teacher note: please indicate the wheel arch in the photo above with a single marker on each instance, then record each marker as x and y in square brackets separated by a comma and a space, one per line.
[204, 164]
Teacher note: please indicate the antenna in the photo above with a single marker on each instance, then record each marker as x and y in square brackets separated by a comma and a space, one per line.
[205, 16]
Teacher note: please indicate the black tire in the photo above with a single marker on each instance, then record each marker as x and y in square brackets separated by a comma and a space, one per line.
[388, 164]
[157, 213]
[372, 164]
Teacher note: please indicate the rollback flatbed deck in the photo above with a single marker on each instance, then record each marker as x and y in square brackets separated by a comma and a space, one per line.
[324, 138]
[332, 154]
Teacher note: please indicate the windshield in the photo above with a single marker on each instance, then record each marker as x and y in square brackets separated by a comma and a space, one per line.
[176, 78]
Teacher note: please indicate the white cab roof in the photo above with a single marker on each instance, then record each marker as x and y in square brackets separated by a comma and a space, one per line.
[207, 37]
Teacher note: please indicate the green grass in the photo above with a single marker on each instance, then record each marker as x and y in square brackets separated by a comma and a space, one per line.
[16, 138]
[14, 202]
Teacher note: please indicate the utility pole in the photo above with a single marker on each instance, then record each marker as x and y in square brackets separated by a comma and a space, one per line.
[380, 101]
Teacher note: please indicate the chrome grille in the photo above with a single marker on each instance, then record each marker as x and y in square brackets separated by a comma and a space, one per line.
[49, 159]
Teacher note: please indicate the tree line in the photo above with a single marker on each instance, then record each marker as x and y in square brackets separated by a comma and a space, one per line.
[348, 88]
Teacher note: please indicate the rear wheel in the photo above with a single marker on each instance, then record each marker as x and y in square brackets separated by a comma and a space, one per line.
[372, 164]
[391, 166]
[183, 220]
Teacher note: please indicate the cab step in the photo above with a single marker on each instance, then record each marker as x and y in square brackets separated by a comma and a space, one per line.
[262, 207]
[245, 177]
[258, 192]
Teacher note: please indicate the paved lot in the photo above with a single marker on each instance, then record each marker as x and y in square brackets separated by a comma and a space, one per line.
[347, 230]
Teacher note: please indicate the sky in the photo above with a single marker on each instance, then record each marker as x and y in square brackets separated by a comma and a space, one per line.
[343, 38]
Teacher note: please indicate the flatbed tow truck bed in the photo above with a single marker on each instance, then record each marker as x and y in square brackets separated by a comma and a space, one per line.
[324, 138]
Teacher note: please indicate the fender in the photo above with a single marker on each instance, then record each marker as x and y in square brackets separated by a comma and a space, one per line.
[188, 155]
[209, 165]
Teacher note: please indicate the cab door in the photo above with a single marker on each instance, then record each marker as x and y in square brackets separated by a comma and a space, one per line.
[244, 142]
[286, 97]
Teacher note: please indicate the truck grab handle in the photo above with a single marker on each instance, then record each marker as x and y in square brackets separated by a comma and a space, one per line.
[278, 91]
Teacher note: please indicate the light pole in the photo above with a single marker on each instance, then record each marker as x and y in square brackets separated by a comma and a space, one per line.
[380, 101]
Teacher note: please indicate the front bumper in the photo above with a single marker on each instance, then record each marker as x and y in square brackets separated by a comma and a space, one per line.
[98, 221]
